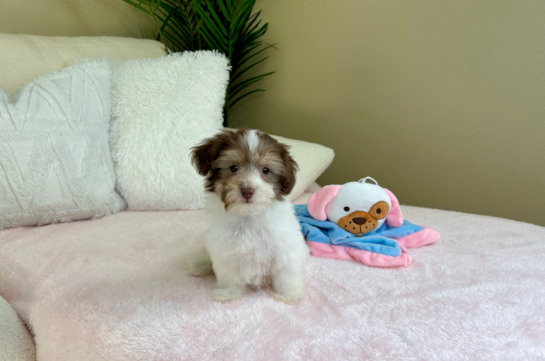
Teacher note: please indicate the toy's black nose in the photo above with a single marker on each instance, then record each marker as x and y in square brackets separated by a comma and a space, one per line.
[247, 193]
[359, 221]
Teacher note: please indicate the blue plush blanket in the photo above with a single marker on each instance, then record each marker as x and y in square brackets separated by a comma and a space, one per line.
[381, 240]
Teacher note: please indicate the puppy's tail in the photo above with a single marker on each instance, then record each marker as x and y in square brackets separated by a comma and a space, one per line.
[200, 264]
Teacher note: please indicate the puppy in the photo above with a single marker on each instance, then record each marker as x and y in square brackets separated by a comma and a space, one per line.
[254, 236]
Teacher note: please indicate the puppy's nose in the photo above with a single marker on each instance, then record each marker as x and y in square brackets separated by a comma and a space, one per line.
[359, 221]
[247, 193]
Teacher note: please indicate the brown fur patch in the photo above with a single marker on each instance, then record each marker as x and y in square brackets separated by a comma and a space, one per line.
[277, 157]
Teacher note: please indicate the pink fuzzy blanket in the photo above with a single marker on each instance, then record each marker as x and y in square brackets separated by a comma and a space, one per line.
[118, 288]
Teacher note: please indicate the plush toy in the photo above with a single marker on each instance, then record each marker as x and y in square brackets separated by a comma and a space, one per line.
[360, 221]
[357, 207]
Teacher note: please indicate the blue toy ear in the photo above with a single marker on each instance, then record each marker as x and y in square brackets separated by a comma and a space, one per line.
[395, 217]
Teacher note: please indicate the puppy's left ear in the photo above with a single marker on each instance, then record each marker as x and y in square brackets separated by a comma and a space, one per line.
[204, 154]
[287, 179]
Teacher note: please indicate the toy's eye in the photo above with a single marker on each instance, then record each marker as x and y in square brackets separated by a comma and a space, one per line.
[346, 209]
[265, 170]
[379, 210]
[233, 168]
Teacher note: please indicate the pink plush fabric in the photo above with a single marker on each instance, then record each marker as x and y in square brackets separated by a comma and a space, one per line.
[372, 259]
[422, 238]
[395, 217]
[318, 202]
[118, 288]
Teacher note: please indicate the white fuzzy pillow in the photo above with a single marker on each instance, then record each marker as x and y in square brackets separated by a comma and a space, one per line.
[161, 108]
[55, 163]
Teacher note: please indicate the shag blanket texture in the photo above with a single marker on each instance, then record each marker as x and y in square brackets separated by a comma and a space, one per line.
[118, 288]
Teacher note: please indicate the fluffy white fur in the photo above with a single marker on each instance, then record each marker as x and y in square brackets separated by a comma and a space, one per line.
[253, 241]
[55, 162]
[161, 108]
[246, 249]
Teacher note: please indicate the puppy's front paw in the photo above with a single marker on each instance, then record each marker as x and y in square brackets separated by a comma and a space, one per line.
[226, 294]
[288, 298]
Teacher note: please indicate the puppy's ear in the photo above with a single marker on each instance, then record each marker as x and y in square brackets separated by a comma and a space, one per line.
[287, 179]
[204, 154]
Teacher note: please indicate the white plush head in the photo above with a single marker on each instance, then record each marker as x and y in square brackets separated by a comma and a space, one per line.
[357, 207]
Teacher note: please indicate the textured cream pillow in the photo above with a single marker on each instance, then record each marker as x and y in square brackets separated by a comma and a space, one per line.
[161, 108]
[27, 57]
[55, 162]
[313, 159]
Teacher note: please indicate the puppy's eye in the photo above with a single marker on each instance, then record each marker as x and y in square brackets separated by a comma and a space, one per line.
[265, 170]
[233, 168]
[379, 211]
[346, 209]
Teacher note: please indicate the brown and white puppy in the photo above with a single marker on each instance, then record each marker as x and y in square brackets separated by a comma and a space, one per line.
[254, 235]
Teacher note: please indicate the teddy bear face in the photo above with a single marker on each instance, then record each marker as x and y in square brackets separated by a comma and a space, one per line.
[359, 208]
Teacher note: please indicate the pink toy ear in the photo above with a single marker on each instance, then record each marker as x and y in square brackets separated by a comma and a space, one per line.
[395, 217]
[319, 200]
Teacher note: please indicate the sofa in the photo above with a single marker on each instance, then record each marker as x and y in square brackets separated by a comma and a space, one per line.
[117, 287]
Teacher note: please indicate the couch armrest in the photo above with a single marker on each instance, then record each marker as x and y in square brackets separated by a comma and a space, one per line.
[16, 344]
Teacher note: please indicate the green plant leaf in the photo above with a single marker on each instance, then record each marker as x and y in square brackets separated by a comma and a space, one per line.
[209, 25]
[243, 84]
[244, 95]
[256, 53]
[242, 11]
[224, 9]
[216, 17]
[244, 70]
[251, 21]
[210, 40]
[138, 6]
[157, 4]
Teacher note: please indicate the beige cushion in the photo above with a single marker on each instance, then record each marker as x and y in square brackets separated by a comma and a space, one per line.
[16, 344]
[313, 159]
[24, 58]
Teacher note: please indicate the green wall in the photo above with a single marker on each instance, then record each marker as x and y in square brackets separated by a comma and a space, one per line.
[442, 102]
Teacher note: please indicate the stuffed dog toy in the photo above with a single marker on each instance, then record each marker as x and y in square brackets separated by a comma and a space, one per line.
[360, 221]
[357, 207]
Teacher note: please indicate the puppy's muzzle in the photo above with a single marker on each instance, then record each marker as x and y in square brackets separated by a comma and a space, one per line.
[247, 193]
